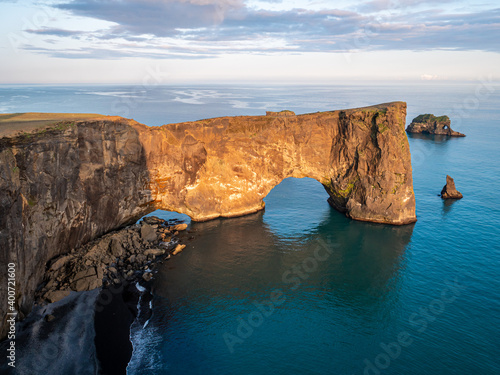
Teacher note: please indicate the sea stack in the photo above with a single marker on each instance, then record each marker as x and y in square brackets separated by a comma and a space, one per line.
[449, 191]
[430, 124]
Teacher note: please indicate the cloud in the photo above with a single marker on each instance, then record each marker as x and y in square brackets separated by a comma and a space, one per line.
[115, 54]
[158, 17]
[207, 28]
[429, 77]
[384, 5]
[54, 32]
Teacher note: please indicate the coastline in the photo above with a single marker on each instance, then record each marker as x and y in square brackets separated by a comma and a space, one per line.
[112, 321]
[102, 315]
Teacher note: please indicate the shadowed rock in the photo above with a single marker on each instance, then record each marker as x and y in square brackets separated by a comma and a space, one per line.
[449, 191]
[430, 124]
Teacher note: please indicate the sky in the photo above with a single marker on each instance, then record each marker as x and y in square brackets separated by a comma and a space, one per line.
[223, 41]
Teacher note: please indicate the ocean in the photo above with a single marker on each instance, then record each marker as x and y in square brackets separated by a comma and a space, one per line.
[301, 289]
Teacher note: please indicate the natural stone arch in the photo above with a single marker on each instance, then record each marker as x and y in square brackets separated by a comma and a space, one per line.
[224, 167]
[89, 174]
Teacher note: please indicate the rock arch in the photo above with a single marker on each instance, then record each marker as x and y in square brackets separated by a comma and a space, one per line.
[79, 178]
[224, 167]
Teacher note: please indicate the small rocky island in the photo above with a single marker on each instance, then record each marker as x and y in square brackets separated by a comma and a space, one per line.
[449, 190]
[430, 124]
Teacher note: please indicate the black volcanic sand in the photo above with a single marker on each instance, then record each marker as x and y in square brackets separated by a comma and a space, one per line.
[116, 309]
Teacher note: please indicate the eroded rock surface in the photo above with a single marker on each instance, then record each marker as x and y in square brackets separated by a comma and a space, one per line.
[430, 124]
[224, 167]
[449, 190]
[71, 183]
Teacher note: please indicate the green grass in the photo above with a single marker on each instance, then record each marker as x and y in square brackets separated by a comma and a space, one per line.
[33, 122]
[340, 193]
[382, 128]
[430, 118]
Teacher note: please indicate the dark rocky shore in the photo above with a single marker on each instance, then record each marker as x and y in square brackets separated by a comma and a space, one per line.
[125, 255]
[94, 294]
[117, 262]
[112, 321]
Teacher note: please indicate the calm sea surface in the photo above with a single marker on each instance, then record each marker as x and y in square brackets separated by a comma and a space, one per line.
[299, 288]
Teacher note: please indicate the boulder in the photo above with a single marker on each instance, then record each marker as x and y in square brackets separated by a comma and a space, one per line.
[152, 220]
[99, 250]
[60, 262]
[449, 191]
[148, 233]
[116, 248]
[155, 252]
[56, 295]
[85, 273]
[86, 280]
[179, 227]
[178, 249]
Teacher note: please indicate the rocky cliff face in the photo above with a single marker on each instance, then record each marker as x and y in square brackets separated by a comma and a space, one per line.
[430, 124]
[62, 187]
[226, 166]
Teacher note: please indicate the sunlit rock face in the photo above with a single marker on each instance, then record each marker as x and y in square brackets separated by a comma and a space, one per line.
[67, 184]
[226, 166]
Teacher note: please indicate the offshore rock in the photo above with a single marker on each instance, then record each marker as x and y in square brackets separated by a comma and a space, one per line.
[70, 182]
[430, 124]
[449, 191]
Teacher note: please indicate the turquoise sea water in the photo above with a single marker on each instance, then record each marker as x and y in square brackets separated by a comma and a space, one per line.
[299, 288]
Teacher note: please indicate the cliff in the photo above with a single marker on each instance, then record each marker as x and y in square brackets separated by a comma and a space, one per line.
[430, 124]
[74, 180]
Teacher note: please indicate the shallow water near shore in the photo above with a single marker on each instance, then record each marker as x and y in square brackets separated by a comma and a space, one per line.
[301, 289]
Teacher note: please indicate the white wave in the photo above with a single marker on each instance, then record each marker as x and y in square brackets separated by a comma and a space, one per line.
[239, 104]
[146, 355]
[197, 96]
[117, 94]
[140, 288]
[188, 100]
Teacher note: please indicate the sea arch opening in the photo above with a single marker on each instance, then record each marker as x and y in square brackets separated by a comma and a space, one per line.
[296, 206]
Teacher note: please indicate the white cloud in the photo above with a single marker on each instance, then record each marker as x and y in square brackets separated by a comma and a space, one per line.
[429, 77]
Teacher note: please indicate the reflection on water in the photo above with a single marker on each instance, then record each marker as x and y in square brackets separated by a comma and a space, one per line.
[335, 277]
[447, 205]
[435, 138]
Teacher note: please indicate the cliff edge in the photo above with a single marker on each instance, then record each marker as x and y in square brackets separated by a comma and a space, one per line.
[71, 180]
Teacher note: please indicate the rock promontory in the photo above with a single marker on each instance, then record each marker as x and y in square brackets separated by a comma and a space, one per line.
[72, 179]
[430, 124]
